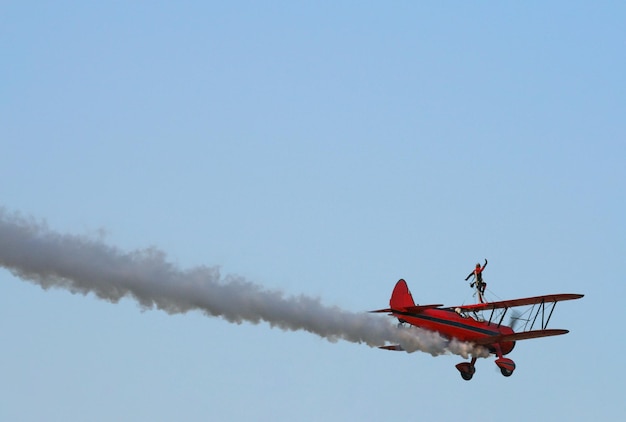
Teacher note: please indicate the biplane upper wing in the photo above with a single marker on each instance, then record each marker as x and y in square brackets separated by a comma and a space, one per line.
[521, 302]
[520, 336]
[543, 302]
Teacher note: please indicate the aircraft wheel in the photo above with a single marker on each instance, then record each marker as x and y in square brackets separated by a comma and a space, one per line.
[506, 372]
[467, 375]
[467, 370]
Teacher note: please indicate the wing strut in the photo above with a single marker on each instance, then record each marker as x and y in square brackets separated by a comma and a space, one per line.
[542, 308]
[502, 317]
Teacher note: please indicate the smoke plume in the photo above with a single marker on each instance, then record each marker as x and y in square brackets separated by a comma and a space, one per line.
[33, 252]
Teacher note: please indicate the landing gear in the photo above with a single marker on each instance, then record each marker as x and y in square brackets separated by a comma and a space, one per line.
[467, 369]
[507, 366]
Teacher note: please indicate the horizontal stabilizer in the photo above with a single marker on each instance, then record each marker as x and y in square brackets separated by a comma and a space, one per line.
[520, 336]
[396, 347]
[381, 311]
[421, 308]
[416, 309]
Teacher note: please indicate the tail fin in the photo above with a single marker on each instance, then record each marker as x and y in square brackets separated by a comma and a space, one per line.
[402, 301]
[401, 296]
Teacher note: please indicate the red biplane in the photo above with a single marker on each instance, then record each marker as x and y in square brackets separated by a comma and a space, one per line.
[467, 323]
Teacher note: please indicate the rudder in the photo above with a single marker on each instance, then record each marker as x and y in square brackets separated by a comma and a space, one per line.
[401, 296]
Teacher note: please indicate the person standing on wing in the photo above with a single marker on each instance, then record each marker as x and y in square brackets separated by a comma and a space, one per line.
[478, 280]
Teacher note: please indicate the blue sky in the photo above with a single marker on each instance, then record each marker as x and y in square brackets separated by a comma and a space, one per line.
[325, 149]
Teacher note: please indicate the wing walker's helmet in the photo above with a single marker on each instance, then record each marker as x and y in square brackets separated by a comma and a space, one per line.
[478, 265]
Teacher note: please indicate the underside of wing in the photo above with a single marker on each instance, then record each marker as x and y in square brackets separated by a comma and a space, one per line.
[520, 336]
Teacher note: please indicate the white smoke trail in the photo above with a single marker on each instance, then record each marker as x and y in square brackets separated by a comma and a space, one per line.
[30, 250]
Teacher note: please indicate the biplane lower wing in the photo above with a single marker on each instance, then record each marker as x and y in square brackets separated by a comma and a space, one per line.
[520, 336]
[500, 339]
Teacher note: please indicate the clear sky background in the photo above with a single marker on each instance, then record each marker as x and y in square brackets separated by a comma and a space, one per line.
[325, 149]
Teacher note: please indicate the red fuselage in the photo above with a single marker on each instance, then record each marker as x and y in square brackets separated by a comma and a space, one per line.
[450, 324]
